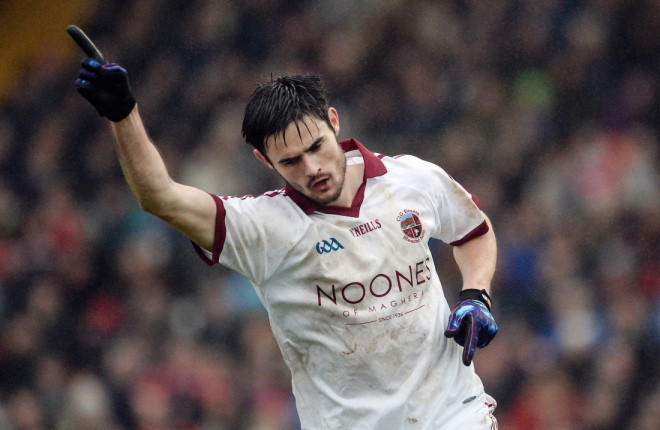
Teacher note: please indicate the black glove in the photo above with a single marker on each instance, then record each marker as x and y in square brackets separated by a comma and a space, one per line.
[104, 85]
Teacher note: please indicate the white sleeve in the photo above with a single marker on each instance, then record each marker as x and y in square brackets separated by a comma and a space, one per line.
[242, 241]
[458, 217]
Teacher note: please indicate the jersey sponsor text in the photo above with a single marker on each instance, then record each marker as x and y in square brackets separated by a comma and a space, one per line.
[365, 228]
[379, 286]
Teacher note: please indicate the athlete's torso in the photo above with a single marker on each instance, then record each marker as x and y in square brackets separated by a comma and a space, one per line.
[354, 299]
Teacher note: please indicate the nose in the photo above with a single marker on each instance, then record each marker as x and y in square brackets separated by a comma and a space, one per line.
[311, 167]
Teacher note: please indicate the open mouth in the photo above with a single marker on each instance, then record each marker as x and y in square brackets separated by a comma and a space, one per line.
[321, 184]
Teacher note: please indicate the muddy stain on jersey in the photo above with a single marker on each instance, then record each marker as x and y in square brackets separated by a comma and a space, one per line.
[466, 201]
[351, 351]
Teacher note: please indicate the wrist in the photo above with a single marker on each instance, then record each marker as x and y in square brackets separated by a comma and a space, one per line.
[122, 110]
[475, 294]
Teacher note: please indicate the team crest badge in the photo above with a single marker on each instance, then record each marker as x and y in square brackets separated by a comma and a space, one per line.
[411, 226]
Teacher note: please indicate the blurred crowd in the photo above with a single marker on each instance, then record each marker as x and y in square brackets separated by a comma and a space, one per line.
[546, 110]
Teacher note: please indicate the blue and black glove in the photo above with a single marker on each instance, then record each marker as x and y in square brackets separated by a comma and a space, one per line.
[471, 323]
[104, 85]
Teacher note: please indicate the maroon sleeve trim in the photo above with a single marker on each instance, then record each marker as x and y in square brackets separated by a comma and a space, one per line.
[220, 234]
[476, 202]
[480, 230]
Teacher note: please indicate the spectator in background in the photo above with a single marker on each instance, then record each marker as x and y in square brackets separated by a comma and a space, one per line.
[546, 109]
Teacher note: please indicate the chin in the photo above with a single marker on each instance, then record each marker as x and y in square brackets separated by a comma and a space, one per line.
[326, 198]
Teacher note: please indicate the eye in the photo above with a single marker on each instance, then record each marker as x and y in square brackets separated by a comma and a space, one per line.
[315, 147]
[290, 162]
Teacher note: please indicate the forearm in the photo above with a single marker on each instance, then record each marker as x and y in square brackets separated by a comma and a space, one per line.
[471, 323]
[189, 210]
[476, 260]
[141, 162]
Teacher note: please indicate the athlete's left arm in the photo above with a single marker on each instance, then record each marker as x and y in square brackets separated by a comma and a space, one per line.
[476, 259]
[471, 323]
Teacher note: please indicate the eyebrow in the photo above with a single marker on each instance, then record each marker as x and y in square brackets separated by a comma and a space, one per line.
[291, 159]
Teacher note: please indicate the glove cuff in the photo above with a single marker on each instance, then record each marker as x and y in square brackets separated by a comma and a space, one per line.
[122, 112]
[474, 294]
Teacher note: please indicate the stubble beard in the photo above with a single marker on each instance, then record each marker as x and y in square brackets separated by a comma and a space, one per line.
[341, 168]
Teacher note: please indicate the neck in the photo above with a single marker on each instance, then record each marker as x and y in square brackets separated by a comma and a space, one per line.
[352, 181]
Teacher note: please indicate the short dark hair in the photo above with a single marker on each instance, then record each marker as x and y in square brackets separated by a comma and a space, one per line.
[274, 105]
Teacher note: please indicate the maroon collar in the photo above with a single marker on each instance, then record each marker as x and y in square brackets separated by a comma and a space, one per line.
[372, 167]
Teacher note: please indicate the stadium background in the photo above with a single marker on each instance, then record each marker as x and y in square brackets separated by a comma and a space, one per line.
[546, 110]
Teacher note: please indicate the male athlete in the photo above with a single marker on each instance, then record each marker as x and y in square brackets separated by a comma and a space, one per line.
[339, 257]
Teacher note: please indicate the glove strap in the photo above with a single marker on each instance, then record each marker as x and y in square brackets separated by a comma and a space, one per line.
[474, 294]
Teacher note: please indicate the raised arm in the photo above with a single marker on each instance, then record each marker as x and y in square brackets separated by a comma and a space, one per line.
[106, 87]
[188, 209]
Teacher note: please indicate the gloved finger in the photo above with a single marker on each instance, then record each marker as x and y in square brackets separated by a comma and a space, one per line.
[489, 335]
[82, 84]
[85, 43]
[86, 89]
[91, 65]
[484, 340]
[460, 334]
[112, 67]
[472, 337]
[113, 71]
[454, 324]
[453, 327]
[86, 75]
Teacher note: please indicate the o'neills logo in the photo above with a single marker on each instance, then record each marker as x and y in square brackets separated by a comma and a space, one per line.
[411, 225]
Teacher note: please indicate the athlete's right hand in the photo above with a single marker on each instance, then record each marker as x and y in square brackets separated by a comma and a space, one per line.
[105, 86]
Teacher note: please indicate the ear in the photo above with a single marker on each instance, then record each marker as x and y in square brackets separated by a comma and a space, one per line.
[334, 119]
[262, 158]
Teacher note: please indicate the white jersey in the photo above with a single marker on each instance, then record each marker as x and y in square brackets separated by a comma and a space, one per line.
[353, 296]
